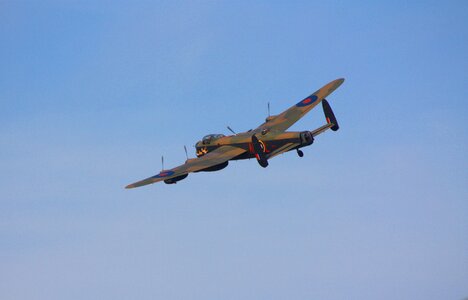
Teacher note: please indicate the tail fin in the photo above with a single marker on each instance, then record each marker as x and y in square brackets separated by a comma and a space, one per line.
[329, 115]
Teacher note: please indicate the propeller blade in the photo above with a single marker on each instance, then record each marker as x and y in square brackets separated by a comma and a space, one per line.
[259, 154]
[186, 154]
[162, 162]
[230, 129]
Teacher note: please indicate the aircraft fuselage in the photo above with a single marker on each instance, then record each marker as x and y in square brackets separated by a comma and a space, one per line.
[270, 143]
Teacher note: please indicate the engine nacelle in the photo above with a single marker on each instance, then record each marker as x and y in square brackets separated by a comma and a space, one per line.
[215, 168]
[175, 179]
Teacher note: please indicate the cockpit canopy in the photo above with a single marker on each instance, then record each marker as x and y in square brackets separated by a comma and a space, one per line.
[207, 139]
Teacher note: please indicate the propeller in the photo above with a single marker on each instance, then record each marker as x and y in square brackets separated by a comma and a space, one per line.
[230, 129]
[259, 154]
[162, 162]
[268, 109]
[186, 154]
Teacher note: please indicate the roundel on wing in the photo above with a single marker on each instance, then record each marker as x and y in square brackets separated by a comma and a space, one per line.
[163, 174]
[307, 101]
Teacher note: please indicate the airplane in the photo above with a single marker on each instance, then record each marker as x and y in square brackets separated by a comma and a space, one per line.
[268, 140]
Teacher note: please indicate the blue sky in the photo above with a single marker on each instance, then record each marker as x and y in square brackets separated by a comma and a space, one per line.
[92, 93]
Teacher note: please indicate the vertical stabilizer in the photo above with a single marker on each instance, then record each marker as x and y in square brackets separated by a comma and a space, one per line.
[329, 115]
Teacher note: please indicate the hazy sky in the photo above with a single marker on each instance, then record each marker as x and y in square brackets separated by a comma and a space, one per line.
[92, 93]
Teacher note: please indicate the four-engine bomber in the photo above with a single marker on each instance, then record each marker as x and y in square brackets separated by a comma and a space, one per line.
[268, 140]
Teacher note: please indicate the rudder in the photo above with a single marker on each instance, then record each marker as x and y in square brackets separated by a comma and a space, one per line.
[329, 115]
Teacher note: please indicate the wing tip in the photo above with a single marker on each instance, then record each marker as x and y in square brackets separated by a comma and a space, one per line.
[339, 81]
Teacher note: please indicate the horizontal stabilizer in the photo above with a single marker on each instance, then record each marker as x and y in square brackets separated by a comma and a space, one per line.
[321, 129]
[329, 115]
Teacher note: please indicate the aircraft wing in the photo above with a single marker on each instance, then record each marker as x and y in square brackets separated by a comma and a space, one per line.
[290, 116]
[213, 158]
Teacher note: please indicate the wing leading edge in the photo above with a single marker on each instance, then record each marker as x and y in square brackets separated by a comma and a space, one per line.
[213, 158]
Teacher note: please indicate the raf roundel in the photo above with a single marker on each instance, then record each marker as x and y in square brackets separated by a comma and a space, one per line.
[164, 174]
[307, 101]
